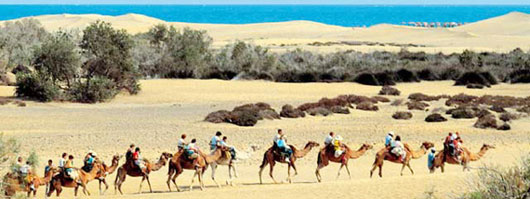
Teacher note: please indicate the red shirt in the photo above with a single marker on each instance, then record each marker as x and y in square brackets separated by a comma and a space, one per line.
[135, 155]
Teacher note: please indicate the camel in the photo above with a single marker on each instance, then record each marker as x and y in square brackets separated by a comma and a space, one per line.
[59, 181]
[107, 170]
[385, 154]
[466, 157]
[225, 159]
[129, 169]
[325, 155]
[12, 183]
[271, 157]
[180, 162]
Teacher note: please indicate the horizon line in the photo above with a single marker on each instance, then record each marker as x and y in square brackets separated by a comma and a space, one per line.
[271, 4]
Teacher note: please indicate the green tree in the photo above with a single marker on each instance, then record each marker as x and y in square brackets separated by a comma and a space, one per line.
[58, 57]
[109, 56]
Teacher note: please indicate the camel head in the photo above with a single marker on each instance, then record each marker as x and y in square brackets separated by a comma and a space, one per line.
[165, 156]
[311, 144]
[367, 146]
[427, 145]
[116, 158]
[486, 147]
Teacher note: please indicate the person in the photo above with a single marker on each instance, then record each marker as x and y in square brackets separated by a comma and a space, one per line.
[88, 162]
[337, 145]
[329, 139]
[137, 158]
[181, 143]
[46, 170]
[284, 148]
[193, 151]
[214, 142]
[48, 167]
[25, 171]
[399, 148]
[18, 165]
[129, 153]
[448, 144]
[430, 159]
[69, 168]
[62, 161]
[276, 138]
[389, 139]
[232, 149]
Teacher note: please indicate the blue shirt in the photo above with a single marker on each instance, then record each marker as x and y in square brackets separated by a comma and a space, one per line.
[213, 142]
[430, 159]
[90, 160]
[388, 140]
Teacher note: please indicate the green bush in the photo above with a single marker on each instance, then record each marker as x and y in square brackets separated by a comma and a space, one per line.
[97, 89]
[36, 87]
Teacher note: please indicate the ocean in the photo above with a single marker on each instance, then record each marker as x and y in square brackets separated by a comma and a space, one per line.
[343, 15]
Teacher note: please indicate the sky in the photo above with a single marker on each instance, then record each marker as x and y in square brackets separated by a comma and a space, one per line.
[205, 2]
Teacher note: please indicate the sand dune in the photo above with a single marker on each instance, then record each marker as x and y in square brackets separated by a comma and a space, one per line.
[501, 34]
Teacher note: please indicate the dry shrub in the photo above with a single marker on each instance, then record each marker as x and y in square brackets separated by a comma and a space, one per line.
[503, 101]
[4, 101]
[504, 127]
[319, 111]
[438, 110]
[416, 105]
[388, 90]
[218, 116]
[404, 75]
[525, 109]
[497, 109]
[20, 103]
[367, 106]
[486, 121]
[509, 116]
[462, 113]
[402, 115]
[427, 74]
[422, 97]
[475, 86]
[435, 117]
[340, 110]
[380, 99]
[460, 99]
[307, 106]
[397, 102]
[367, 79]
[480, 78]
[357, 99]
[269, 114]
[385, 78]
[289, 112]
[520, 76]
[244, 117]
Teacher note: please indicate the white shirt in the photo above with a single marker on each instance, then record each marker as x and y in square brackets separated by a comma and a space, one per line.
[454, 136]
[276, 138]
[181, 143]
[24, 169]
[398, 144]
[328, 140]
[62, 162]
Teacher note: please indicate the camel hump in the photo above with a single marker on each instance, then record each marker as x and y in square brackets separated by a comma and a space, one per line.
[146, 161]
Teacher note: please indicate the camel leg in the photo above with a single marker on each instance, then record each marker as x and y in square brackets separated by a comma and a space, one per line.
[201, 183]
[271, 170]
[149, 183]
[289, 173]
[214, 167]
[263, 165]
[402, 168]
[169, 174]
[174, 179]
[120, 182]
[235, 171]
[106, 186]
[141, 182]
[410, 168]
[317, 172]
[193, 179]
[348, 170]
[442, 168]
[75, 191]
[340, 168]
[294, 168]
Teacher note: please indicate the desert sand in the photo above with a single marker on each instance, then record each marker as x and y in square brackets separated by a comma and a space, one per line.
[165, 108]
[499, 34]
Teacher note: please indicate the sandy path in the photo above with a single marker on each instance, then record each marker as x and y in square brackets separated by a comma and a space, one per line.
[165, 108]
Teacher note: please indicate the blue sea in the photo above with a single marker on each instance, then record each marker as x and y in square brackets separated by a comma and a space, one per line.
[343, 15]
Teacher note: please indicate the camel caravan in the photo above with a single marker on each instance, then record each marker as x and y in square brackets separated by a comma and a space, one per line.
[189, 157]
